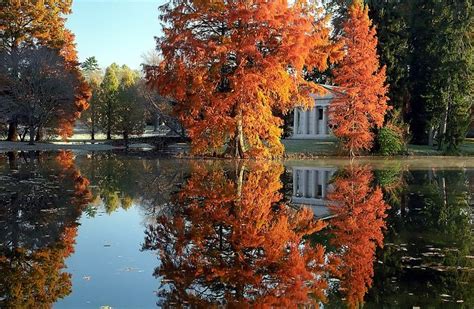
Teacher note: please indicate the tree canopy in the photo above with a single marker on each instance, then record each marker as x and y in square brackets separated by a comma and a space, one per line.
[231, 65]
[363, 103]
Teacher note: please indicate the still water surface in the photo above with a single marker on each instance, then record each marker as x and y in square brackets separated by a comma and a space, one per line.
[85, 230]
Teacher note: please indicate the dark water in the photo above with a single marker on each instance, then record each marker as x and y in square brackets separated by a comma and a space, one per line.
[125, 231]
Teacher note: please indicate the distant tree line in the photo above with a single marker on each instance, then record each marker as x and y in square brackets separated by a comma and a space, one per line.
[121, 103]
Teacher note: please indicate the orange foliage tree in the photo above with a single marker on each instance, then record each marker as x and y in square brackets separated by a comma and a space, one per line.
[231, 66]
[28, 23]
[228, 239]
[67, 117]
[357, 227]
[364, 103]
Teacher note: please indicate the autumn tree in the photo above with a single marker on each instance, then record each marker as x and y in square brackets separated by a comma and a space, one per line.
[357, 229]
[43, 92]
[363, 104]
[25, 24]
[228, 239]
[230, 66]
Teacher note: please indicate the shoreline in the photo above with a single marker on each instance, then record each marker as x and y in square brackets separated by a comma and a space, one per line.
[413, 161]
[6, 146]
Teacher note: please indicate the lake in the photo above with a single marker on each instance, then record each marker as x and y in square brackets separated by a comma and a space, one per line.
[91, 230]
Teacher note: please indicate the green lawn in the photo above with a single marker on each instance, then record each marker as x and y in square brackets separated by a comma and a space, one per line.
[467, 149]
[328, 148]
[323, 147]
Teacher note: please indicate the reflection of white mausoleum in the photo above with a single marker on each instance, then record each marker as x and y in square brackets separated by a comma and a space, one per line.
[310, 187]
[314, 123]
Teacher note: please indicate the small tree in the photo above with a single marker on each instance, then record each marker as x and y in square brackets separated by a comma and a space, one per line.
[364, 103]
[89, 66]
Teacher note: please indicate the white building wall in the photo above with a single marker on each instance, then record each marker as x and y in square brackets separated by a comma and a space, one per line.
[310, 188]
[313, 123]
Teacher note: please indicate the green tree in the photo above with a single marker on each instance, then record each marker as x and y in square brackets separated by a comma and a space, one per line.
[441, 71]
[90, 65]
[108, 105]
[391, 20]
[92, 114]
[92, 72]
[130, 105]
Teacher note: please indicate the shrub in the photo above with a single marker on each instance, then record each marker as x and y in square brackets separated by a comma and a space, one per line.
[390, 141]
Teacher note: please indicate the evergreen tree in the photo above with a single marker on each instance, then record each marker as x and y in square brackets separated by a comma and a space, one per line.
[109, 87]
[441, 71]
[90, 66]
[391, 21]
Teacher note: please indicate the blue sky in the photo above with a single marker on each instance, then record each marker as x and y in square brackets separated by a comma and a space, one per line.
[115, 30]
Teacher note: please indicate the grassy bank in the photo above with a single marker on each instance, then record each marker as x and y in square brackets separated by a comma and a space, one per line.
[314, 148]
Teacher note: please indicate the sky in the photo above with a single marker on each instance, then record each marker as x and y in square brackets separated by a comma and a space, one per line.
[115, 30]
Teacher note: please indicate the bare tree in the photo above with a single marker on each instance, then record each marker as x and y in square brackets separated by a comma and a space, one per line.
[41, 88]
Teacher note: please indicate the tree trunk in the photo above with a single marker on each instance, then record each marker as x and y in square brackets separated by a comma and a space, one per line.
[23, 136]
[93, 126]
[239, 138]
[12, 131]
[443, 128]
[431, 134]
[109, 135]
[32, 135]
[39, 135]
[12, 160]
[156, 123]
[125, 138]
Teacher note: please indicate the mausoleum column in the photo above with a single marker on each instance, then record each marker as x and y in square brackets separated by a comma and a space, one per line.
[295, 121]
[295, 181]
[315, 120]
[314, 174]
[303, 183]
[305, 122]
[323, 182]
[325, 120]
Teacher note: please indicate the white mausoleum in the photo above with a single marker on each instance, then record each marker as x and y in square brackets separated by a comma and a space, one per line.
[310, 188]
[313, 123]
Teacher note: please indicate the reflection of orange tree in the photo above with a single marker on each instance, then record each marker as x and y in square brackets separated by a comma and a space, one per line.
[357, 228]
[33, 278]
[31, 270]
[82, 194]
[230, 241]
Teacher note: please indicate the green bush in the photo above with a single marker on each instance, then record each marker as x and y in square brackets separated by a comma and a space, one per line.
[390, 141]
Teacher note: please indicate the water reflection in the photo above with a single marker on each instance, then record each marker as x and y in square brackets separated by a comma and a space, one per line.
[229, 240]
[311, 186]
[428, 257]
[357, 225]
[237, 233]
[41, 199]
